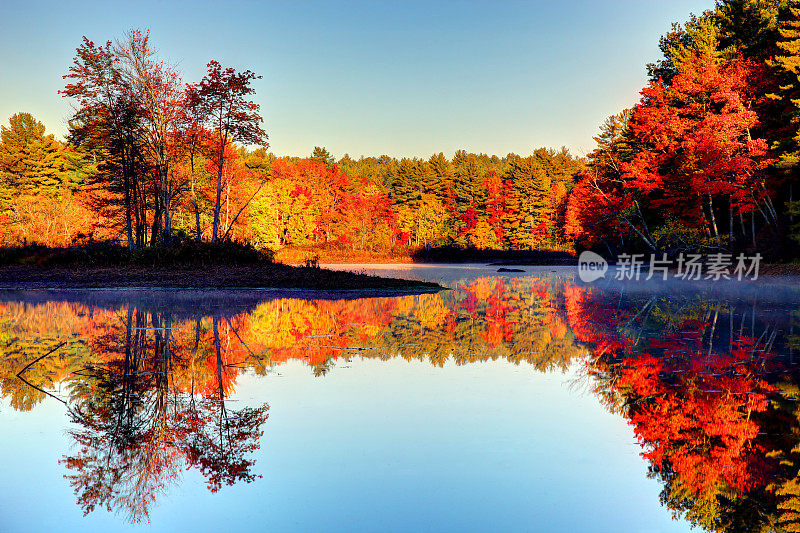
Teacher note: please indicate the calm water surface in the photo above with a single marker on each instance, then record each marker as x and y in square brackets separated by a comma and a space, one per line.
[511, 402]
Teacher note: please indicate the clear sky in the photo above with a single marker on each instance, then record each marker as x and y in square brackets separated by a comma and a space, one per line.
[371, 78]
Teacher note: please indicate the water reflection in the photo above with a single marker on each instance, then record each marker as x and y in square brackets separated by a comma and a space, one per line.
[146, 397]
[707, 381]
[711, 390]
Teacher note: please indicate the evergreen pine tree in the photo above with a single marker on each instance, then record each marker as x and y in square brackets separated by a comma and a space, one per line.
[787, 66]
[34, 163]
[529, 199]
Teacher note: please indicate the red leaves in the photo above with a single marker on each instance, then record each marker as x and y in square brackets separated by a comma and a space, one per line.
[354, 212]
[684, 151]
[592, 210]
[696, 405]
[221, 100]
[701, 426]
[497, 205]
[695, 137]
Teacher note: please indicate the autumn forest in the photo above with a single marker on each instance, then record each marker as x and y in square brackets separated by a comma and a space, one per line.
[707, 160]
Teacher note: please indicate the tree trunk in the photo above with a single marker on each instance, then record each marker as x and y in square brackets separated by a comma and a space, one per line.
[771, 210]
[730, 221]
[139, 210]
[227, 204]
[218, 351]
[218, 203]
[126, 166]
[650, 240]
[713, 221]
[744, 230]
[155, 229]
[706, 219]
[165, 202]
[241, 209]
[198, 235]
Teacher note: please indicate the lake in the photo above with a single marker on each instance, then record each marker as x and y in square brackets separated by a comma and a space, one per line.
[524, 401]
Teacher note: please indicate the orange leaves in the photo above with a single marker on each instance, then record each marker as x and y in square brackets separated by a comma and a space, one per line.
[307, 202]
[50, 221]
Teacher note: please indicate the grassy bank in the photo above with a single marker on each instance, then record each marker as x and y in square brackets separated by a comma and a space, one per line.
[190, 265]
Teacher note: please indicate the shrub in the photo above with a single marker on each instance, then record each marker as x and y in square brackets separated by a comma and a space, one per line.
[107, 253]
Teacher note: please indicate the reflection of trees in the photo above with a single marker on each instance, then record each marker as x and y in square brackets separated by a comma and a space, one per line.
[220, 440]
[489, 319]
[146, 390]
[137, 426]
[707, 385]
[51, 334]
[712, 398]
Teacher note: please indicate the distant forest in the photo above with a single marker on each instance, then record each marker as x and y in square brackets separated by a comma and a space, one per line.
[706, 161]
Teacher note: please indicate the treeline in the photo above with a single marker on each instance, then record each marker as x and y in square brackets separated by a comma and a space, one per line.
[65, 192]
[377, 203]
[706, 161]
[150, 160]
[708, 158]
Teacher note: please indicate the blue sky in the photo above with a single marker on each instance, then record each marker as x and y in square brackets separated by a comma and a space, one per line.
[371, 78]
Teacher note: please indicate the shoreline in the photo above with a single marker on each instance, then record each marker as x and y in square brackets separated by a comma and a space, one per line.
[274, 277]
[765, 269]
[269, 277]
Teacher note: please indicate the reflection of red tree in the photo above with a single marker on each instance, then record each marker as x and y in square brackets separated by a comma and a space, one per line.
[699, 423]
[497, 327]
[692, 408]
[591, 321]
[152, 405]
